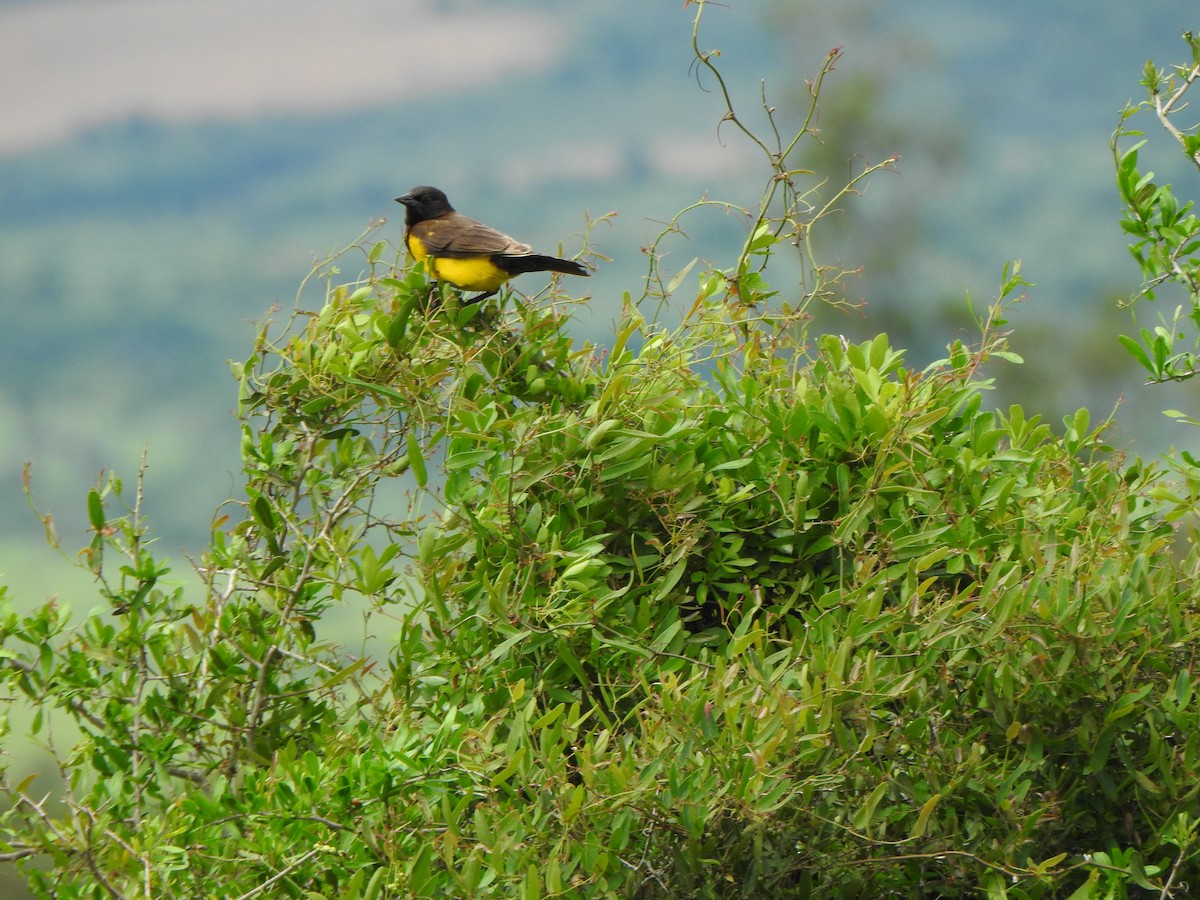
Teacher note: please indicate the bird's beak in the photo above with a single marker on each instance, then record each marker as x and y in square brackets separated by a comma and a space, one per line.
[405, 199]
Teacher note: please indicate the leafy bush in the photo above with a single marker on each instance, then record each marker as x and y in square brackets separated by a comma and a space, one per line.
[1165, 231]
[715, 614]
[707, 619]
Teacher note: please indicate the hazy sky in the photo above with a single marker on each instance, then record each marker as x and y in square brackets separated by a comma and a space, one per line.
[72, 64]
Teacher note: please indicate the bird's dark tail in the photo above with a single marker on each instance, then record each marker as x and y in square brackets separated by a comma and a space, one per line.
[519, 265]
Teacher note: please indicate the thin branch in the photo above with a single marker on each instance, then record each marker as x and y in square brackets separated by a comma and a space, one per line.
[283, 873]
[1164, 109]
[1174, 873]
[19, 852]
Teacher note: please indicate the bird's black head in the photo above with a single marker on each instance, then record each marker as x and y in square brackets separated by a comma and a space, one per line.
[423, 203]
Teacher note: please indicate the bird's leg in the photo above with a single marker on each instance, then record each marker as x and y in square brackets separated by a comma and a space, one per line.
[479, 297]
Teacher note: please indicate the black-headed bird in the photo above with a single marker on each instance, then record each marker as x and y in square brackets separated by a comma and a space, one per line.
[465, 253]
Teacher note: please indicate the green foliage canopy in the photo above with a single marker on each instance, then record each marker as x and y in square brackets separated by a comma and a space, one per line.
[705, 618]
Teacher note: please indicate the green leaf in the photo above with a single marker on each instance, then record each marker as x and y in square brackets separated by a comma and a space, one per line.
[345, 672]
[674, 283]
[501, 650]
[866, 812]
[375, 885]
[1135, 350]
[95, 510]
[922, 823]
[261, 507]
[1090, 889]
[1047, 864]
[416, 459]
[398, 326]
[531, 888]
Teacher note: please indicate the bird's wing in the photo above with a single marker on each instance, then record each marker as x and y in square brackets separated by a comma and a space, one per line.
[456, 236]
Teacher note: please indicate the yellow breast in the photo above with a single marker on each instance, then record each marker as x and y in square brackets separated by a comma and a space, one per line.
[476, 274]
[479, 274]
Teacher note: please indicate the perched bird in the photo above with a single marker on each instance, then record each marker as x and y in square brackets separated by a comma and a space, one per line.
[466, 253]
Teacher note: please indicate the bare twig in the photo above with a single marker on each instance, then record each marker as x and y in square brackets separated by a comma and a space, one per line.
[281, 874]
[1165, 108]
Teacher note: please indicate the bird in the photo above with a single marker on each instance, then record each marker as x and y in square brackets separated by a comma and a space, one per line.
[466, 253]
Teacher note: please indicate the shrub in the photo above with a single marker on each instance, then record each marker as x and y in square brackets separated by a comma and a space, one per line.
[710, 618]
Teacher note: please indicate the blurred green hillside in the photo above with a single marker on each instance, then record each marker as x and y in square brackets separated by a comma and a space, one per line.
[135, 257]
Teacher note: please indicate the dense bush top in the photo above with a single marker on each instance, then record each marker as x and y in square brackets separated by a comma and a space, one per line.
[709, 615]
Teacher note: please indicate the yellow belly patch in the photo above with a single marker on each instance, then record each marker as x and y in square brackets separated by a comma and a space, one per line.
[469, 274]
[478, 274]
